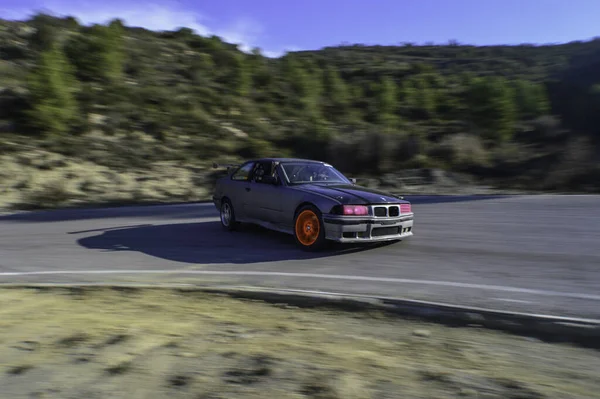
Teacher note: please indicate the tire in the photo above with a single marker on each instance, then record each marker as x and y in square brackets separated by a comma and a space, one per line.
[227, 216]
[308, 220]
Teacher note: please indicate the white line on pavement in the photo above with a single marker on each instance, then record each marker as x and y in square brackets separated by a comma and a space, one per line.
[510, 300]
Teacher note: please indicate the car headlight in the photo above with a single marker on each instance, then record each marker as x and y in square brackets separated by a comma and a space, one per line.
[350, 210]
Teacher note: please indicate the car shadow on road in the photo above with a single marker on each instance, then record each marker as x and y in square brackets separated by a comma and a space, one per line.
[207, 243]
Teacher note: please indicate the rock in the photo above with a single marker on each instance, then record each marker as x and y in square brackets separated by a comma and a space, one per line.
[235, 131]
[390, 181]
[422, 333]
[27, 346]
[468, 393]
[97, 119]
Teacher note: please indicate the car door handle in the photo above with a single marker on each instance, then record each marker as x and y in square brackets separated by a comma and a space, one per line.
[248, 188]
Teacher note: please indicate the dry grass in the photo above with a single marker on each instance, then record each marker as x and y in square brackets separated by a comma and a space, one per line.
[161, 343]
[97, 169]
[41, 179]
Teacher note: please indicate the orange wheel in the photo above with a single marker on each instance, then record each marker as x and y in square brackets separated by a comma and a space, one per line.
[308, 228]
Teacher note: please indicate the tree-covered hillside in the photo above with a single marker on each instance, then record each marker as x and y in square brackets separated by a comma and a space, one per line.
[127, 98]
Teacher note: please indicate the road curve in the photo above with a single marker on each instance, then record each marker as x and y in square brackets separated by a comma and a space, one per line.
[537, 254]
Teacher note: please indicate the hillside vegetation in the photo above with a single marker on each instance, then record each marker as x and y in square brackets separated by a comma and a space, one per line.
[110, 112]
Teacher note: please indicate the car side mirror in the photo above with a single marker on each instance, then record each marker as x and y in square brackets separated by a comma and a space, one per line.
[270, 180]
[353, 180]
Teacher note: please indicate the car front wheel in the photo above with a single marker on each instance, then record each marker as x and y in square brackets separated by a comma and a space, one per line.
[228, 216]
[309, 230]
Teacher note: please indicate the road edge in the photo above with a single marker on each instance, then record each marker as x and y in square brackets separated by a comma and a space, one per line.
[547, 328]
[553, 329]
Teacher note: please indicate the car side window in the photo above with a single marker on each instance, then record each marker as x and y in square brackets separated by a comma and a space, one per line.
[261, 169]
[243, 172]
[276, 174]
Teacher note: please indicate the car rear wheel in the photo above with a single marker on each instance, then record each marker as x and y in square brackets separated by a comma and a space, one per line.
[309, 230]
[228, 216]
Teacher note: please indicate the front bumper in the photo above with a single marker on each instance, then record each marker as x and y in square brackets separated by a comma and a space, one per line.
[354, 229]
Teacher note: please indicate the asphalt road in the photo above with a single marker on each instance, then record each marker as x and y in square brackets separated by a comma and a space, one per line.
[536, 254]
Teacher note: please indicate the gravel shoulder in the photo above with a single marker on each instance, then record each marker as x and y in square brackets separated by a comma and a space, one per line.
[151, 343]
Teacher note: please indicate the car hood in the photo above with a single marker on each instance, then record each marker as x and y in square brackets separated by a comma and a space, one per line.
[351, 194]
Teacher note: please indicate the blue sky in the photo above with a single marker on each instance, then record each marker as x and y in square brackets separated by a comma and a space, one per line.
[279, 25]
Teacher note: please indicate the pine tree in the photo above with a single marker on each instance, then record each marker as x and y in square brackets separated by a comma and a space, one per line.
[259, 70]
[98, 55]
[336, 94]
[240, 78]
[425, 101]
[531, 99]
[493, 107]
[52, 88]
[46, 32]
[386, 101]
[304, 87]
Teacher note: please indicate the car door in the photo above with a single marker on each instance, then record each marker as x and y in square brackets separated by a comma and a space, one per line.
[238, 189]
[264, 199]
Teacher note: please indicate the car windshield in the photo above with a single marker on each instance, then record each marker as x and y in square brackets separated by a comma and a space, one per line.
[312, 172]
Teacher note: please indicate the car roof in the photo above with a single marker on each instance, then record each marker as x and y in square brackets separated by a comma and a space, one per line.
[286, 160]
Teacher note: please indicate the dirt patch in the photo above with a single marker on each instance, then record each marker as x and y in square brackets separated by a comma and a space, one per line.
[105, 343]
